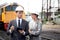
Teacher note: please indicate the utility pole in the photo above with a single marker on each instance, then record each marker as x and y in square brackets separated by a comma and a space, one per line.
[42, 9]
[58, 4]
[50, 5]
[50, 10]
[47, 9]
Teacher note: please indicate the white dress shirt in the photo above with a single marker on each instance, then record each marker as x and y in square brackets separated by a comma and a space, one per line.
[17, 21]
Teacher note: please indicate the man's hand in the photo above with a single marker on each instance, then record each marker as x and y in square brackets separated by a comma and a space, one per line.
[22, 31]
[12, 28]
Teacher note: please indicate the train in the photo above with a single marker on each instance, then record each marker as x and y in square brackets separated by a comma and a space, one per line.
[7, 13]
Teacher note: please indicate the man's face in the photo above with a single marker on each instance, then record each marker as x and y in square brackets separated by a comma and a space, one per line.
[19, 14]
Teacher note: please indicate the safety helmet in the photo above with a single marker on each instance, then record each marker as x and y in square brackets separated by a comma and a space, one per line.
[34, 12]
[19, 8]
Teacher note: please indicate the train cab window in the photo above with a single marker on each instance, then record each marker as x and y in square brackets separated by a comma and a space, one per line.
[1, 10]
[13, 7]
[8, 8]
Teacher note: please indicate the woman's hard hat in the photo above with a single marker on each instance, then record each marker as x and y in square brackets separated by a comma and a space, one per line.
[34, 12]
[19, 8]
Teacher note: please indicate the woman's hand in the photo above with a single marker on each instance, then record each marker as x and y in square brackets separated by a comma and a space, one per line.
[29, 31]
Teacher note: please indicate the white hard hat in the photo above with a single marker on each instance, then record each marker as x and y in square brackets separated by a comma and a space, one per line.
[19, 8]
[34, 12]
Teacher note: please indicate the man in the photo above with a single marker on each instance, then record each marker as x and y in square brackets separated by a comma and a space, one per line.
[18, 28]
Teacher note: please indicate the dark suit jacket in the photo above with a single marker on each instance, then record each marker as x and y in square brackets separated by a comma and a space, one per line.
[15, 35]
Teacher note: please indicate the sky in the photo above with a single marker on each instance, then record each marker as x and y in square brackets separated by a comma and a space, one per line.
[28, 5]
[54, 3]
[31, 5]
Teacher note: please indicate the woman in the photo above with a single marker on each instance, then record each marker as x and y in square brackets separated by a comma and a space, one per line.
[35, 27]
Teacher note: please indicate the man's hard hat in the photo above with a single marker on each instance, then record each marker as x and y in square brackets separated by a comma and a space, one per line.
[19, 8]
[34, 12]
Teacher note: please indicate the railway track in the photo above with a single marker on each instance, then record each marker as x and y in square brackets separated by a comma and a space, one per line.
[50, 35]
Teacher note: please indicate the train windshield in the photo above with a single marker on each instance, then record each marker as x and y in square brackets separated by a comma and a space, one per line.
[11, 8]
[1, 10]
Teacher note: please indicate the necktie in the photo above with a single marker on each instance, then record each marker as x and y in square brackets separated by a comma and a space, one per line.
[18, 23]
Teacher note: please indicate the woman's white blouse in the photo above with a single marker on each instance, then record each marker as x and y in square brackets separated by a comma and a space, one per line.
[35, 27]
[32, 25]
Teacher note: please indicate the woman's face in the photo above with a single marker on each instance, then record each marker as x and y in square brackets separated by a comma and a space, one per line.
[33, 16]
